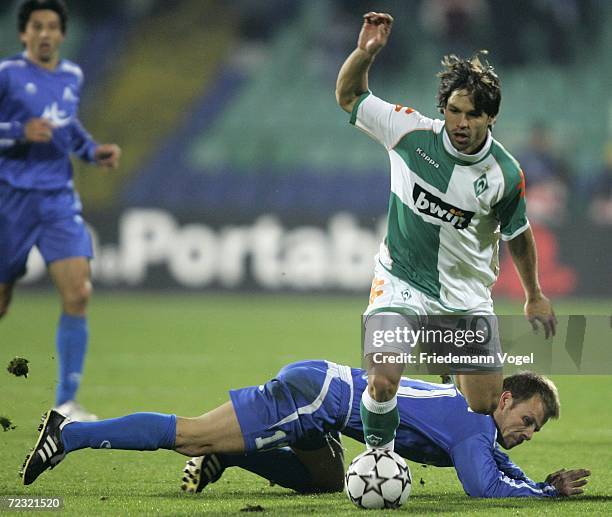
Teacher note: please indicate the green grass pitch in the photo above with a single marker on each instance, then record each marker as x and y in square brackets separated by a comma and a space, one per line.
[181, 353]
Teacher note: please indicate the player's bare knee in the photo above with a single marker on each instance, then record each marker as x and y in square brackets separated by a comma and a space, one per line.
[483, 404]
[383, 388]
[188, 440]
[76, 298]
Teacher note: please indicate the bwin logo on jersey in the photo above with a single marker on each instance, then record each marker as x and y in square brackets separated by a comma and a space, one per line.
[433, 206]
[56, 116]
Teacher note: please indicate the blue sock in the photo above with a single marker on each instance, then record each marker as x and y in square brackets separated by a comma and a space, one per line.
[280, 466]
[71, 341]
[138, 432]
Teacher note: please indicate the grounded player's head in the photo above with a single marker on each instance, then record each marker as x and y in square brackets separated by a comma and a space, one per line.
[525, 385]
[30, 6]
[473, 75]
[527, 402]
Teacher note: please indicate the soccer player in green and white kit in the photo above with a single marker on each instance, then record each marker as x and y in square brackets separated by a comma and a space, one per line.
[454, 189]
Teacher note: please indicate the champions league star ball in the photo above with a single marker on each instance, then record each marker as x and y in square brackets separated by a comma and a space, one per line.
[378, 478]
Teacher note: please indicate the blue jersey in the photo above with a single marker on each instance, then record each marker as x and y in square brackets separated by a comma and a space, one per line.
[29, 91]
[438, 428]
[311, 398]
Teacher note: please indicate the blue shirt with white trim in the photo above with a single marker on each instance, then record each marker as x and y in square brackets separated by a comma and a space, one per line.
[438, 428]
[29, 91]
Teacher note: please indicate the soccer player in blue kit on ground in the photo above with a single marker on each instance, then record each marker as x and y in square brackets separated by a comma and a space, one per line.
[288, 431]
[39, 130]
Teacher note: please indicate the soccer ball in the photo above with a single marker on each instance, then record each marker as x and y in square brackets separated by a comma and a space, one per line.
[378, 478]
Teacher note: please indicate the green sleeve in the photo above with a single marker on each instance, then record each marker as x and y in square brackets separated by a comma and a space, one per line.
[511, 211]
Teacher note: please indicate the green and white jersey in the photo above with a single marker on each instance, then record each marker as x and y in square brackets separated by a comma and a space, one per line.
[447, 209]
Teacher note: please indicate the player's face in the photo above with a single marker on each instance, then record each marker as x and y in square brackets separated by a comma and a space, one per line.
[466, 128]
[518, 422]
[43, 36]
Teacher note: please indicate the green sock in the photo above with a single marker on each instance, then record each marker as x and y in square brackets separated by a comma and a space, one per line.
[380, 420]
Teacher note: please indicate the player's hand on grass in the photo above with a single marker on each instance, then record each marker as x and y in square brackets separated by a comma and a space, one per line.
[38, 130]
[374, 32]
[539, 311]
[107, 155]
[569, 482]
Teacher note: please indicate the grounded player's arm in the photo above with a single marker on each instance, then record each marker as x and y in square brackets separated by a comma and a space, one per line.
[537, 307]
[511, 469]
[480, 476]
[352, 79]
[567, 482]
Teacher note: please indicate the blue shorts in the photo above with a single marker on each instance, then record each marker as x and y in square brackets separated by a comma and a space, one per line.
[305, 401]
[49, 220]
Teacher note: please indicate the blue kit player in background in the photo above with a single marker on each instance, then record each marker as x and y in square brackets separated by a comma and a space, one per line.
[39, 130]
[288, 431]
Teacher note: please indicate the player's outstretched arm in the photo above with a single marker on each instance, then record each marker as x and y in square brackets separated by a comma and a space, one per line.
[353, 76]
[480, 474]
[538, 308]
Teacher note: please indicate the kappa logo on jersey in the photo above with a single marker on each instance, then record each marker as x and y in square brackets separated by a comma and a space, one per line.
[31, 88]
[56, 116]
[69, 95]
[480, 185]
[427, 158]
[433, 206]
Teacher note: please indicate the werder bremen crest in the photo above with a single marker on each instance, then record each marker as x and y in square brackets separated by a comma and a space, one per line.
[480, 185]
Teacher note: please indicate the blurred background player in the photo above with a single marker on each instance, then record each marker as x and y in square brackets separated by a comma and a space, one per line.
[430, 262]
[287, 430]
[39, 129]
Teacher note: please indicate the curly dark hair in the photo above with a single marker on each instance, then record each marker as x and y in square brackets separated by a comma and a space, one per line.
[29, 6]
[524, 385]
[476, 76]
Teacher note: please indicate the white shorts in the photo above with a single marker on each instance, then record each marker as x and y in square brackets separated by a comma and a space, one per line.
[392, 298]
[391, 292]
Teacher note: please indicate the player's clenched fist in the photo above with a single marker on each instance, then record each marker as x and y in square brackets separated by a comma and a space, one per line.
[375, 32]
